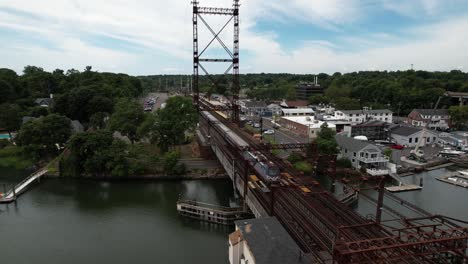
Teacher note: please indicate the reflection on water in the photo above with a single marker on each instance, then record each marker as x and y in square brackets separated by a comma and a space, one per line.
[79, 221]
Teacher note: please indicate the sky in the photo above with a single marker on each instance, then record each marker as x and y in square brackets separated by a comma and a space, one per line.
[143, 37]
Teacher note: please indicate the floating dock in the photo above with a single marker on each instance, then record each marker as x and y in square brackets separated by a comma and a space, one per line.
[403, 188]
[211, 213]
[21, 187]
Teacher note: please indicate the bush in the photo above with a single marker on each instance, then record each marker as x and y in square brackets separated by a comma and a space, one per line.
[344, 163]
[13, 157]
[303, 166]
[295, 157]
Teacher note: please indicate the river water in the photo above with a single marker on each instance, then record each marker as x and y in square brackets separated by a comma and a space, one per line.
[436, 197]
[80, 221]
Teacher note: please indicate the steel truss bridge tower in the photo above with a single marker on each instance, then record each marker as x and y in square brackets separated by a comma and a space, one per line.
[233, 55]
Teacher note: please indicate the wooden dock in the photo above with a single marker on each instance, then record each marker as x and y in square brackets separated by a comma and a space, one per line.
[21, 187]
[211, 213]
[455, 178]
[403, 188]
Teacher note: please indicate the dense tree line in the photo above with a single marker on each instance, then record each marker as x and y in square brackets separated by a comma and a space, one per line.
[402, 91]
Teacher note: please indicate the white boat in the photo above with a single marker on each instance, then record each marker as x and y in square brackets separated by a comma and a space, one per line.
[463, 172]
[451, 153]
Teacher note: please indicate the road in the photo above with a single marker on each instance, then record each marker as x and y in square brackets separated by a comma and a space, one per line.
[162, 98]
[282, 135]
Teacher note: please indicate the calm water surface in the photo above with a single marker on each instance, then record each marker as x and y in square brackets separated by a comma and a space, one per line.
[436, 197]
[76, 221]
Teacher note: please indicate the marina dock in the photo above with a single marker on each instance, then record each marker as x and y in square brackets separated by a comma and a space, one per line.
[403, 188]
[455, 178]
[211, 213]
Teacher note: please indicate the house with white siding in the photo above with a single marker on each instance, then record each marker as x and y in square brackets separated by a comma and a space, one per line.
[411, 136]
[362, 154]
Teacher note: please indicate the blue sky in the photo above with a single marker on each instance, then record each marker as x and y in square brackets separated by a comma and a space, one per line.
[296, 36]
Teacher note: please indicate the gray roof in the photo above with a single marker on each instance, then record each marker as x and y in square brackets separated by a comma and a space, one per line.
[255, 104]
[432, 111]
[26, 119]
[372, 123]
[405, 130]
[77, 126]
[269, 242]
[376, 111]
[48, 101]
[351, 144]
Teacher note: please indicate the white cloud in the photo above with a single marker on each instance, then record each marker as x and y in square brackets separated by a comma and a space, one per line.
[419, 8]
[163, 31]
[440, 46]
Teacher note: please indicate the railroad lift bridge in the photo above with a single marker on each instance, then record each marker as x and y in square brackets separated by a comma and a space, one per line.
[327, 230]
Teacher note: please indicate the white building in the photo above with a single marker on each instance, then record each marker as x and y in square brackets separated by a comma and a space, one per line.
[360, 116]
[305, 126]
[275, 109]
[297, 112]
[263, 241]
[411, 136]
[363, 154]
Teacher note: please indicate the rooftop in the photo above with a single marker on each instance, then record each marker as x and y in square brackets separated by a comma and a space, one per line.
[297, 111]
[432, 111]
[255, 104]
[372, 123]
[298, 103]
[269, 242]
[373, 111]
[308, 121]
[405, 130]
[351, 144]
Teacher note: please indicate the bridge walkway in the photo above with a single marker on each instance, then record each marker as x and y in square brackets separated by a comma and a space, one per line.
[21, 187]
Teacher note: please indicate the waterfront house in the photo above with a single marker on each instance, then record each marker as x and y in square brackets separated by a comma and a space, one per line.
[410, 136]
[362, 154]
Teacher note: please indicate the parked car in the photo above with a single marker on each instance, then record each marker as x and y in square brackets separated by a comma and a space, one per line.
[396, 146]
[269, 132]
[256, 125]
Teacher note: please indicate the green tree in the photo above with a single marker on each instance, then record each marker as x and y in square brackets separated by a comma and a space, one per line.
[459, 115]
[98, 153]
[326, 143]
[45, 137]
[171, 163]
[173, 121]
[126, 119]
[319, 99]
[10, 117]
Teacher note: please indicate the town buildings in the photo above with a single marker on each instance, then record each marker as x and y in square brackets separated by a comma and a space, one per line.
[295, 104]
[432, 118]
[263, 241]
[372, 129]
[305, 90]
[275, 109]
[304, 126]
[297, 112]
[362, 154]
[253, 108]
[366, 114]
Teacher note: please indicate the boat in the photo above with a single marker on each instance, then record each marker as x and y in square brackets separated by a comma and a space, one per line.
[448, 153]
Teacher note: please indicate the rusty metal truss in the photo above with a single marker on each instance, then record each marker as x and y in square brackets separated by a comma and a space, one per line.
[232, 55]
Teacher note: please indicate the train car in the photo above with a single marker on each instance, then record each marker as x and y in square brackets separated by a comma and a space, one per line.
[264, 168]
[304, 189]
[222, 114]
